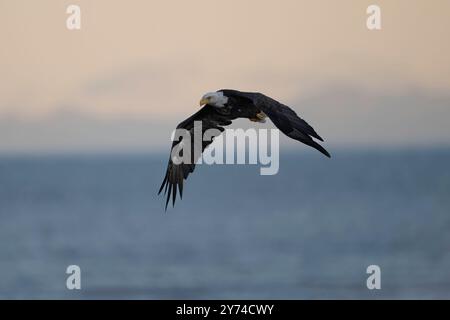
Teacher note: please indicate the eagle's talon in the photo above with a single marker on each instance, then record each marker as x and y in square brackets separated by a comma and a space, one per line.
[260, 117]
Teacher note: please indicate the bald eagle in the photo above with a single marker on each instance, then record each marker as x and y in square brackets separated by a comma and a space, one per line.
[219, 109]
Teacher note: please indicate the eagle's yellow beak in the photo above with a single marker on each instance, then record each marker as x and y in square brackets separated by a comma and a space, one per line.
[204, 101]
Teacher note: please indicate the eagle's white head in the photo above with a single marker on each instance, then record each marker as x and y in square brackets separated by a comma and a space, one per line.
[215, 99]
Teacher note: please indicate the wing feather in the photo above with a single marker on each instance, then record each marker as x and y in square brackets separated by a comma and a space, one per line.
[177, 173]
[285, 119]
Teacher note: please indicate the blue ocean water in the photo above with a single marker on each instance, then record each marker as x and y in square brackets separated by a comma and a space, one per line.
[308, 232]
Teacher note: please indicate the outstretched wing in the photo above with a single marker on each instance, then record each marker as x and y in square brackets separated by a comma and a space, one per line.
[285, 119]
[177, 169]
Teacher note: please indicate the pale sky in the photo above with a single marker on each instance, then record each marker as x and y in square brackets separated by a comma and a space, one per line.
[137, 68]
